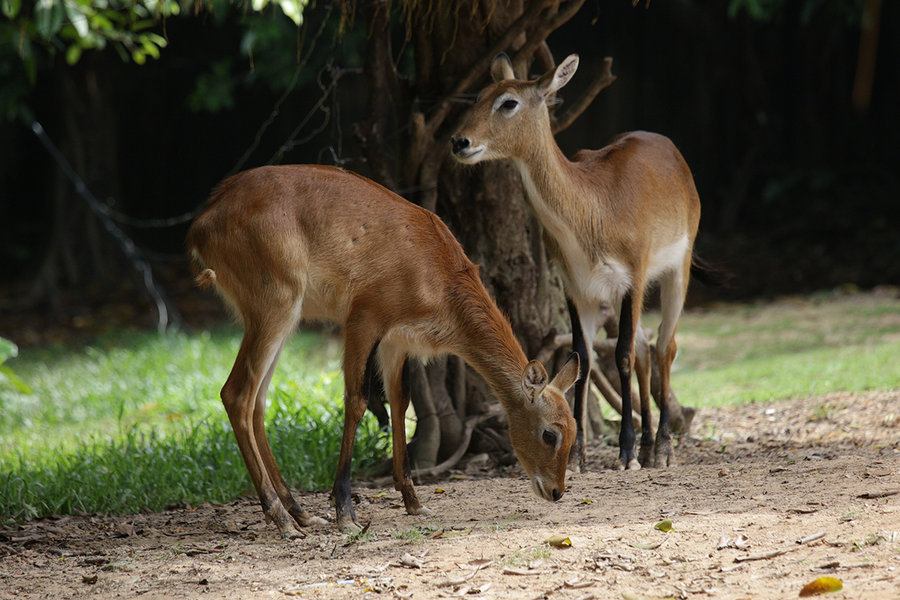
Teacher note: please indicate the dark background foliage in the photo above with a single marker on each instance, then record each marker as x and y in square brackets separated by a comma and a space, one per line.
[799, 186]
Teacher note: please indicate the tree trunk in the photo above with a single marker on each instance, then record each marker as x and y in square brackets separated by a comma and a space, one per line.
[484, 206]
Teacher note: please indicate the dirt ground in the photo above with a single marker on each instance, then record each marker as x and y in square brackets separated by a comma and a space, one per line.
[765, 498]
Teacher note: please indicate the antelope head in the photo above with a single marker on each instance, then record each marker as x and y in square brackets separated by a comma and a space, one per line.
[510, 115]
[542, 431]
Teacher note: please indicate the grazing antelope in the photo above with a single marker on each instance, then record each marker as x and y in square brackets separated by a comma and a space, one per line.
[615, 220]
[286, 243]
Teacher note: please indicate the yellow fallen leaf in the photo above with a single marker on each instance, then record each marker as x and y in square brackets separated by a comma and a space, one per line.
[558, 541]
[822, 585]
[587, 501]
[664, 525]
[438, 491]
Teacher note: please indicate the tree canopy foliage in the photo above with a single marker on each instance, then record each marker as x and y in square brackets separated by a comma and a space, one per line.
[33, 34]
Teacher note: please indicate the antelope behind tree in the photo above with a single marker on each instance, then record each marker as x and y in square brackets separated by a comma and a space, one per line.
[286, 243]
[616, 220]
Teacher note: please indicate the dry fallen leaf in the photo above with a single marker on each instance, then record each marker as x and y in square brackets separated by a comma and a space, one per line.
[408, 560]
[559, 541]
[822, 585]
[652, 546]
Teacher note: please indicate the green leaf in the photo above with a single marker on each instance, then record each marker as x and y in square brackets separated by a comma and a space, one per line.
[73, 53]
[664, 525]
[157, 39]
[78, 20]
[11, 7]
[150, 49]
[100, 21]
[7, 376]
[48, 19]
[293, 9]
[8, 349]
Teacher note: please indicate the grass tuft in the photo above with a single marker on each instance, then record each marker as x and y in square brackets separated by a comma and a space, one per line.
[135, 424]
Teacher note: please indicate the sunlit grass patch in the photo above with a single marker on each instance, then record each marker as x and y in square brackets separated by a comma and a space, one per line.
[136, 422]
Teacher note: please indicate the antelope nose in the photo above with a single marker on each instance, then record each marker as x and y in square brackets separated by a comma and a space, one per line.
[458, 144]
[556, 494]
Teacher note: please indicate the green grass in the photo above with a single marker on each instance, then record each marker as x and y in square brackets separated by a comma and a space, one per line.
[796, 347]
[135, 422]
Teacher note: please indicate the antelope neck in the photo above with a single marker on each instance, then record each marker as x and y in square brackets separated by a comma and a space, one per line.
[491, 348]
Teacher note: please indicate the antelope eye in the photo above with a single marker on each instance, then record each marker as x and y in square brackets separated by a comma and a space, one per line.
[549, 438]
[509, 104]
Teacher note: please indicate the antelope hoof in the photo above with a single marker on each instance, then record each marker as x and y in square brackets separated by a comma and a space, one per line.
[276, 513]
[291, 533]
[631, 465]
[664, 457]
[577, 458]
[420, 510]
[645, 456]
[348, 525]
[303, 518]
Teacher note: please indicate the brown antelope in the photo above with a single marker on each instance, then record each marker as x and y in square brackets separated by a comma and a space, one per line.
[615, 220]
[286, 243]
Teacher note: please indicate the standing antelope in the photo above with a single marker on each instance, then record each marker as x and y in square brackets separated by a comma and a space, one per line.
[281, 243]
[615, 220]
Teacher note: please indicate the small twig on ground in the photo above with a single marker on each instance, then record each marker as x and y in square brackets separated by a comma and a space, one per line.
[763, 556]
[884, 494]
[811, 538]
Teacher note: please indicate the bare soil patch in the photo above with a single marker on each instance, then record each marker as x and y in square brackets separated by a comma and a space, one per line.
[765, 498]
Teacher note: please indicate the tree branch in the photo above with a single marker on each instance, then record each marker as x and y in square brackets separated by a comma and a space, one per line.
[530, 16]
[383, 89]
[544, 28]
[436, 470]
[604, 80]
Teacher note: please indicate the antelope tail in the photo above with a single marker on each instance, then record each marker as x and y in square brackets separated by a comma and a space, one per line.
[707, 273]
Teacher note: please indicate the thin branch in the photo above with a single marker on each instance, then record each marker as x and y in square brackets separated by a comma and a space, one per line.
[544, 57]
[383, 88]
[545, 28]
[574, 111]
[436, 470]
[531, 15]
[164, 310]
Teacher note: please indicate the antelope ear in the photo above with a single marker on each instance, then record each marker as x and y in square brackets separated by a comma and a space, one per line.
[534, 380]
[569, 374]
[554, 79]
[501, 68]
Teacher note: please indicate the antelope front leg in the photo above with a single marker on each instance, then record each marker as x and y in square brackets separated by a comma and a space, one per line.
[359, 352]
[343, 503]
[624, 362]
[583, 330]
